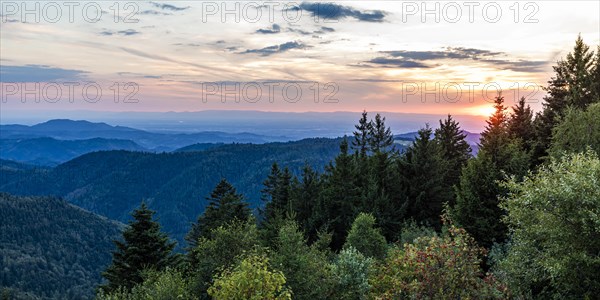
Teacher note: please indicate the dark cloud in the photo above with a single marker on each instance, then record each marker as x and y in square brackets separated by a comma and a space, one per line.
[274, 29]
[126, 32]
[168, 6]
[334, 11]
[39, 73]
[460, 53]
[154, 12]
[519, 65]
[453, 53]
[397, 63]
[276, 48]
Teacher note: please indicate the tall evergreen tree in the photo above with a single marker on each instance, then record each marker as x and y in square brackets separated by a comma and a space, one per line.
[520, 124]
[305, 195]
[224, 206]
[476, 207]
[455, 150]
[381, 138]
[144, 246]
[361, 141]
[572, 85]
[495, 136]
[423, 170]
[340, 197]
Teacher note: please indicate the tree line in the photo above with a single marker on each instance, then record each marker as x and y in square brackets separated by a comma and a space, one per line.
[518, 220]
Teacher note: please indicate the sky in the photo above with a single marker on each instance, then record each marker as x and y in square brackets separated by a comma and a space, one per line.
[396, 56]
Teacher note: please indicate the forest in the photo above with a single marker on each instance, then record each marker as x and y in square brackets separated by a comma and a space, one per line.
[518, 220]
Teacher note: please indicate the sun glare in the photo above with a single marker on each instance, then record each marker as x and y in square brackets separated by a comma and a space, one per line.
[483, 110]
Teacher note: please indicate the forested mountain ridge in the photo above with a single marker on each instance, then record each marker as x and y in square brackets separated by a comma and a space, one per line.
[49, 151]
[112, 183]
[50, 249]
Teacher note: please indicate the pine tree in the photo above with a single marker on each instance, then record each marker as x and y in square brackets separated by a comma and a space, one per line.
[224, 206]
[520, 124]
[572, 85]
[366, 238]
[361, 141]
[455, 150]
[340, 197]
[423, 171]
[476, 207]
[495, 136]
[381, 138]
[305, 195]
[144, 246]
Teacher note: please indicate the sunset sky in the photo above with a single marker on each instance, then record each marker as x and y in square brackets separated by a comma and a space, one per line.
[374, 55]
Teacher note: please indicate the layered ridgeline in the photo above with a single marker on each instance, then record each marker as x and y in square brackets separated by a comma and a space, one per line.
[50, 249]
[113, 183]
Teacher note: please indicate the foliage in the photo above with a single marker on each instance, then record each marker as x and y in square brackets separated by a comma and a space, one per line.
[52, 249]
[364, 237]
[252, 279]
[500, 155]
[225, 205]
[454, 150]
[143, 247]
[220, 250]
[351, 274]
[553, 219]
[423, 171]
[306, 269]
[166, 285]
[573, 84]
[411, 231]
[446, 267]
[577, 131]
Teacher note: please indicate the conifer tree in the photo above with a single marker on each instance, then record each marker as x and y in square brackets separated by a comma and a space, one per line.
[224, 206]
[520, 124]
[144, 246]
[500, 155]
[305, 195]
[381, 138]
[366, 238]
[423, 171]
[454, 150]
[362, 134]
[340, 197]
[573, 85]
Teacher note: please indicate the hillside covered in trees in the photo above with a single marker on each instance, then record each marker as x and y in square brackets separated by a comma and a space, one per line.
[50, 249]
[516, 220]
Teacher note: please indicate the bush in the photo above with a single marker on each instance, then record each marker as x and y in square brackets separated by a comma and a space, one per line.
[351, 274]
[446, 267]
[251, 279]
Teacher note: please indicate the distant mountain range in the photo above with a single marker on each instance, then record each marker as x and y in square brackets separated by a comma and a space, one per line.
[57, 141]
[79, 130]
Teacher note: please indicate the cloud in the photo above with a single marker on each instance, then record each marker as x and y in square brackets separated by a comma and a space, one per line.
[497, 59]
[126, 32]
[168, 6]
[453, 53]
[39, 73]
[397, 63]
[333, 11]
[270, 50]
[154, 12]
[274, 29]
